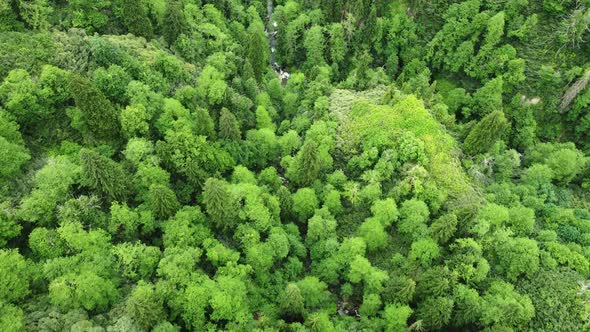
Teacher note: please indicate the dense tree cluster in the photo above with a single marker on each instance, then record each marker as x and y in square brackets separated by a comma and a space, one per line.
[424, 166]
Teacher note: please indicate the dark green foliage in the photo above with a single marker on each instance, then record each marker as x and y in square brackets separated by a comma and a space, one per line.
[485, 133]
[135, 18]
[99, 116]
[229, 127]
[174, 23]
[104, 175]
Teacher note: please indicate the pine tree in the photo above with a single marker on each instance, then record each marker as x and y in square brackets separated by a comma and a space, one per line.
[136, 19]
[103, 174]
[174, 21]
[229, 128]
[485, 133]
[98, 114]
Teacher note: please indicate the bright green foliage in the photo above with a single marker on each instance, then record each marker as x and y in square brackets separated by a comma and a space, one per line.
[304, 203]
[522, 220]
[414, 214]
[52, 185]
[15, 274]
[84, 290]
[518, 256]
[396, 317]
[46, 243]
[294, 165]
[291, 301]
[504, 307]
[219, 203]
[424, 251]
[145, 306]
[257, 49]
[162, 201]
[136, 261]
[435, 312]
[134, 120]
[15, 157]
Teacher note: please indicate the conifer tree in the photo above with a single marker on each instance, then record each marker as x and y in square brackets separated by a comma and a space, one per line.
[174, 21]
[135, 18]
[103, 174]
[257, 49]
[483, 136]
[218, 203]
[204, 123]
[98, 114]
[162, 201]
[229, 128]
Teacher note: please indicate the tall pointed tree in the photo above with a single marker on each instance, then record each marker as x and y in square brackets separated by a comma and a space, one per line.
[99, 115]
[136, 19]
[174, 21]
[257, 49]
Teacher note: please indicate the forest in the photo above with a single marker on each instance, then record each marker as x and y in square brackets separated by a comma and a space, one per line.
[294, 165]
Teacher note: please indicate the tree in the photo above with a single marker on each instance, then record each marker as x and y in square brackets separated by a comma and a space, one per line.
[84, 290]
[220, 204]
[145, 305]
[99, 116]
[518, 256]
[35, 13]
[229, 127]
[15, 275]
[15, 156]
[414, 214]
[263, 119]
[435, 312]
[485, 133]
[424, 251]
[566, 164]
[396, 317]
[504, 307]
[104, 175]
[304, 203]
[174, 23]
[291, 301]
[373, 232]
[314, 45]
[134, 120]
[443, 228]
[136, 19]
[162, 201]
[257, 49]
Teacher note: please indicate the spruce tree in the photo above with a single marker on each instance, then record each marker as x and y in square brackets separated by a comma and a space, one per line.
[203, 122]
[98, 114]
[162, 201]
[257, 49]
[229, 128]
[174, 21]
[104, 175]
[219, 203]
[485, 133]
[307, 164]
[136, 19]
